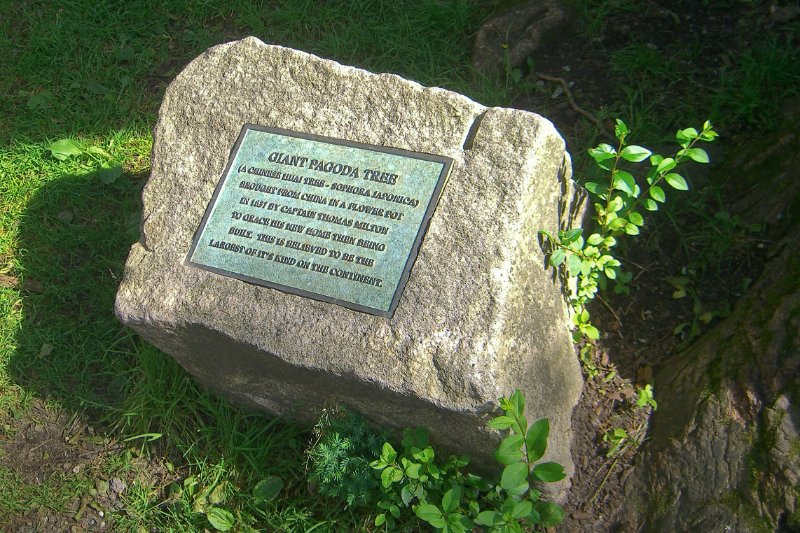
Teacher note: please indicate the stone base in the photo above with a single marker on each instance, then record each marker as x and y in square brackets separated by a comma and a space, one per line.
[481, 313]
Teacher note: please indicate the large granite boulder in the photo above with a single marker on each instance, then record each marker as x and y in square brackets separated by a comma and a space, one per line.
[480, 315]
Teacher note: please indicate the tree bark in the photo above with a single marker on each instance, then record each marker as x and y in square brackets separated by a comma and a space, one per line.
[724, 450]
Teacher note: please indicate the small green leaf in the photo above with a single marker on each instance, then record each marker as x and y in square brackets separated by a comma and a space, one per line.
[489, 518]
[41, 100]
[536, 439]
[220, 519]
[64, 149]
[451, 499]
[631, 229]
[550, 513]
[596, 188]
[676, 181]
[591, 332]
[698, 155]
[650, 205]
[388, 454]
[515, 478]
[617, 224]
[570, 236]
[267, 489]
[686, 136]
[657, 194]
[636, 218]
[501, 422]
[574, 265]
[666, 164]
[517, 399]
[602, 152]
[615, 204]
[620, 129]
[522, 509]
[109, 172]
[594, 239]
[509, 450]
[549, 472]
[623, 181]
[635, 153]
[412, 470]
[557, 258]
[380, 519]
[430, 514]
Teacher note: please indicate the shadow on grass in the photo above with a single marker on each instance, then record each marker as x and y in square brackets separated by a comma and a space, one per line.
[74, 238]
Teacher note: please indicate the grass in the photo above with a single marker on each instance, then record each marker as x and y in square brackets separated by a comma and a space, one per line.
[94, 72]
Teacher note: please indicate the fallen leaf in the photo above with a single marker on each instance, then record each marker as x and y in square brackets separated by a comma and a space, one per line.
[46, 350]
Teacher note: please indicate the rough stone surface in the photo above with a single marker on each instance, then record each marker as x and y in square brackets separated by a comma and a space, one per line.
[510, 38]
[480, 314]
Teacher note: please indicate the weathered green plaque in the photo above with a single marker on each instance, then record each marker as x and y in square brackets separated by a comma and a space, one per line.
[324, 218]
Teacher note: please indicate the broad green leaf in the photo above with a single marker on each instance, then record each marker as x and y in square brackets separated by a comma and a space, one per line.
[602, 152]
[64, 149]
[594, 239]
[40, 100]
[267, 489]
[406, 494]
[610, 273]
[556, 259]
[596, 188]
[501, 422]
[96, 150]
[451, 499]
[574, 264]
[571, 235]
[623, 181]
[522, 509]
[109, 172]
[430, 514]
[591, 332]
[388, 454]
[635, 153]
[666, 164]
[509, 450]
[657, 194]
[549, 472]
[394, 511]
[550, 513]
[636, 218]
[631, 229]
[617, 224]
[650, 205]
[615, 204]
[514, 478]
[676, 181]
[698, 155]
[391, 474]
[220, 519]
[380, 519]
[489, 518]
[412, 470]
[686, 136]
[536, 439]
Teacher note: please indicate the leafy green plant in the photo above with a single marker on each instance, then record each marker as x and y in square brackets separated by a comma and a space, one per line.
[339, 458]
[451, 500]
[644, 397]
[619, 203]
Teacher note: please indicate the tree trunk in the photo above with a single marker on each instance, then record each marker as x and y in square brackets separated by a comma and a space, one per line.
[724, 451]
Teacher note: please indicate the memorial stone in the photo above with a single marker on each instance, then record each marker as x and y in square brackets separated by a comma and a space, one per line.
[315, 233]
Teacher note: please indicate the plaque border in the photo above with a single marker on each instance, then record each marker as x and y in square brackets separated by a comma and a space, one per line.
[447, 165]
